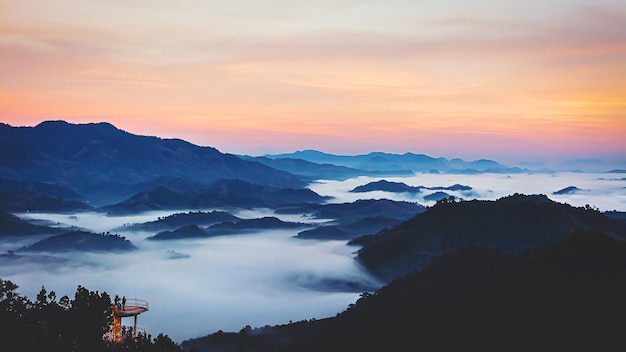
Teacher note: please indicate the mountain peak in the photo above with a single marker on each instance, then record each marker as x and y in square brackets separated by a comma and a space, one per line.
[61, 124]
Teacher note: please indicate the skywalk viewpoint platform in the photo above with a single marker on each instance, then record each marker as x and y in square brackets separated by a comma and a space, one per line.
[132, 308]
[129, 311]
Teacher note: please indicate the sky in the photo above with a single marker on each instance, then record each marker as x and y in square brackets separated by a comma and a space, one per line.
[507, 80]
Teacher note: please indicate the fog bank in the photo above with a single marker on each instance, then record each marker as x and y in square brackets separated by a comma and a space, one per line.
[225, 283]
[602, 190]
[196, 287]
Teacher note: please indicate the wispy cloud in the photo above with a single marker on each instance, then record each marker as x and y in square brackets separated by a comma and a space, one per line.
[393, 73]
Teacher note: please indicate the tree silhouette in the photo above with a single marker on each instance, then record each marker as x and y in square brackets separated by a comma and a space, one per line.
[80, 324]
[91, 316]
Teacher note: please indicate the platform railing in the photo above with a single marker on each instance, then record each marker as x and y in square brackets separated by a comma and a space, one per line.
[137, 302]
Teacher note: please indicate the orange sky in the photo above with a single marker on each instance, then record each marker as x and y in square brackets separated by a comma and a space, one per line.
[522, 80]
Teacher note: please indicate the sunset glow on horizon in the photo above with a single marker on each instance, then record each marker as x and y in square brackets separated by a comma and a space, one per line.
[518, 80]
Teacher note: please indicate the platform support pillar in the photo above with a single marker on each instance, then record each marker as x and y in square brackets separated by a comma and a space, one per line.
[135, 329]
[117, 328]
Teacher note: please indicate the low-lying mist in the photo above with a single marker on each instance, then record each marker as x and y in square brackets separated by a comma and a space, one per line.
[196, 287]
[602, 190]
[199, 286]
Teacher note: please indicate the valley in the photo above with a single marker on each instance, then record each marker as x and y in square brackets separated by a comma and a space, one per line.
[220, 254]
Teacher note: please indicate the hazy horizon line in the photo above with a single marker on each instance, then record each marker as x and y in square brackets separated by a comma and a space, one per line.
[530, 160]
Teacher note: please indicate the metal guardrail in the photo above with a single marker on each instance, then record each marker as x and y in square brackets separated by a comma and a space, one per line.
[137, 302]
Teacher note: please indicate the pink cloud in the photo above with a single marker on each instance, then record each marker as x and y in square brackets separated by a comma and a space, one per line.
[529, 84]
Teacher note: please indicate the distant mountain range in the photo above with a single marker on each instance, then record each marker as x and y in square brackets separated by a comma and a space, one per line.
[325, 171]
[389, 164]
[399, 163]
[64, 167]
[104, 164]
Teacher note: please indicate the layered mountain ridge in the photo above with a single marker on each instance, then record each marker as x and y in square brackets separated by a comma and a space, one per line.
[106, 164]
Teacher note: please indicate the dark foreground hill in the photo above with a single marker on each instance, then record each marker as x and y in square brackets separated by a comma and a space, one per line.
[565, 297]
[104, 163]
[512, 224]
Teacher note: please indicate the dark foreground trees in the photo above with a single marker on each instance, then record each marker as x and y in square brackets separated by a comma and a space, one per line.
[79, 324]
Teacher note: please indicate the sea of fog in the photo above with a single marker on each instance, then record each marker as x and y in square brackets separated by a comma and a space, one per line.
[196, 287]
[601, 190]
